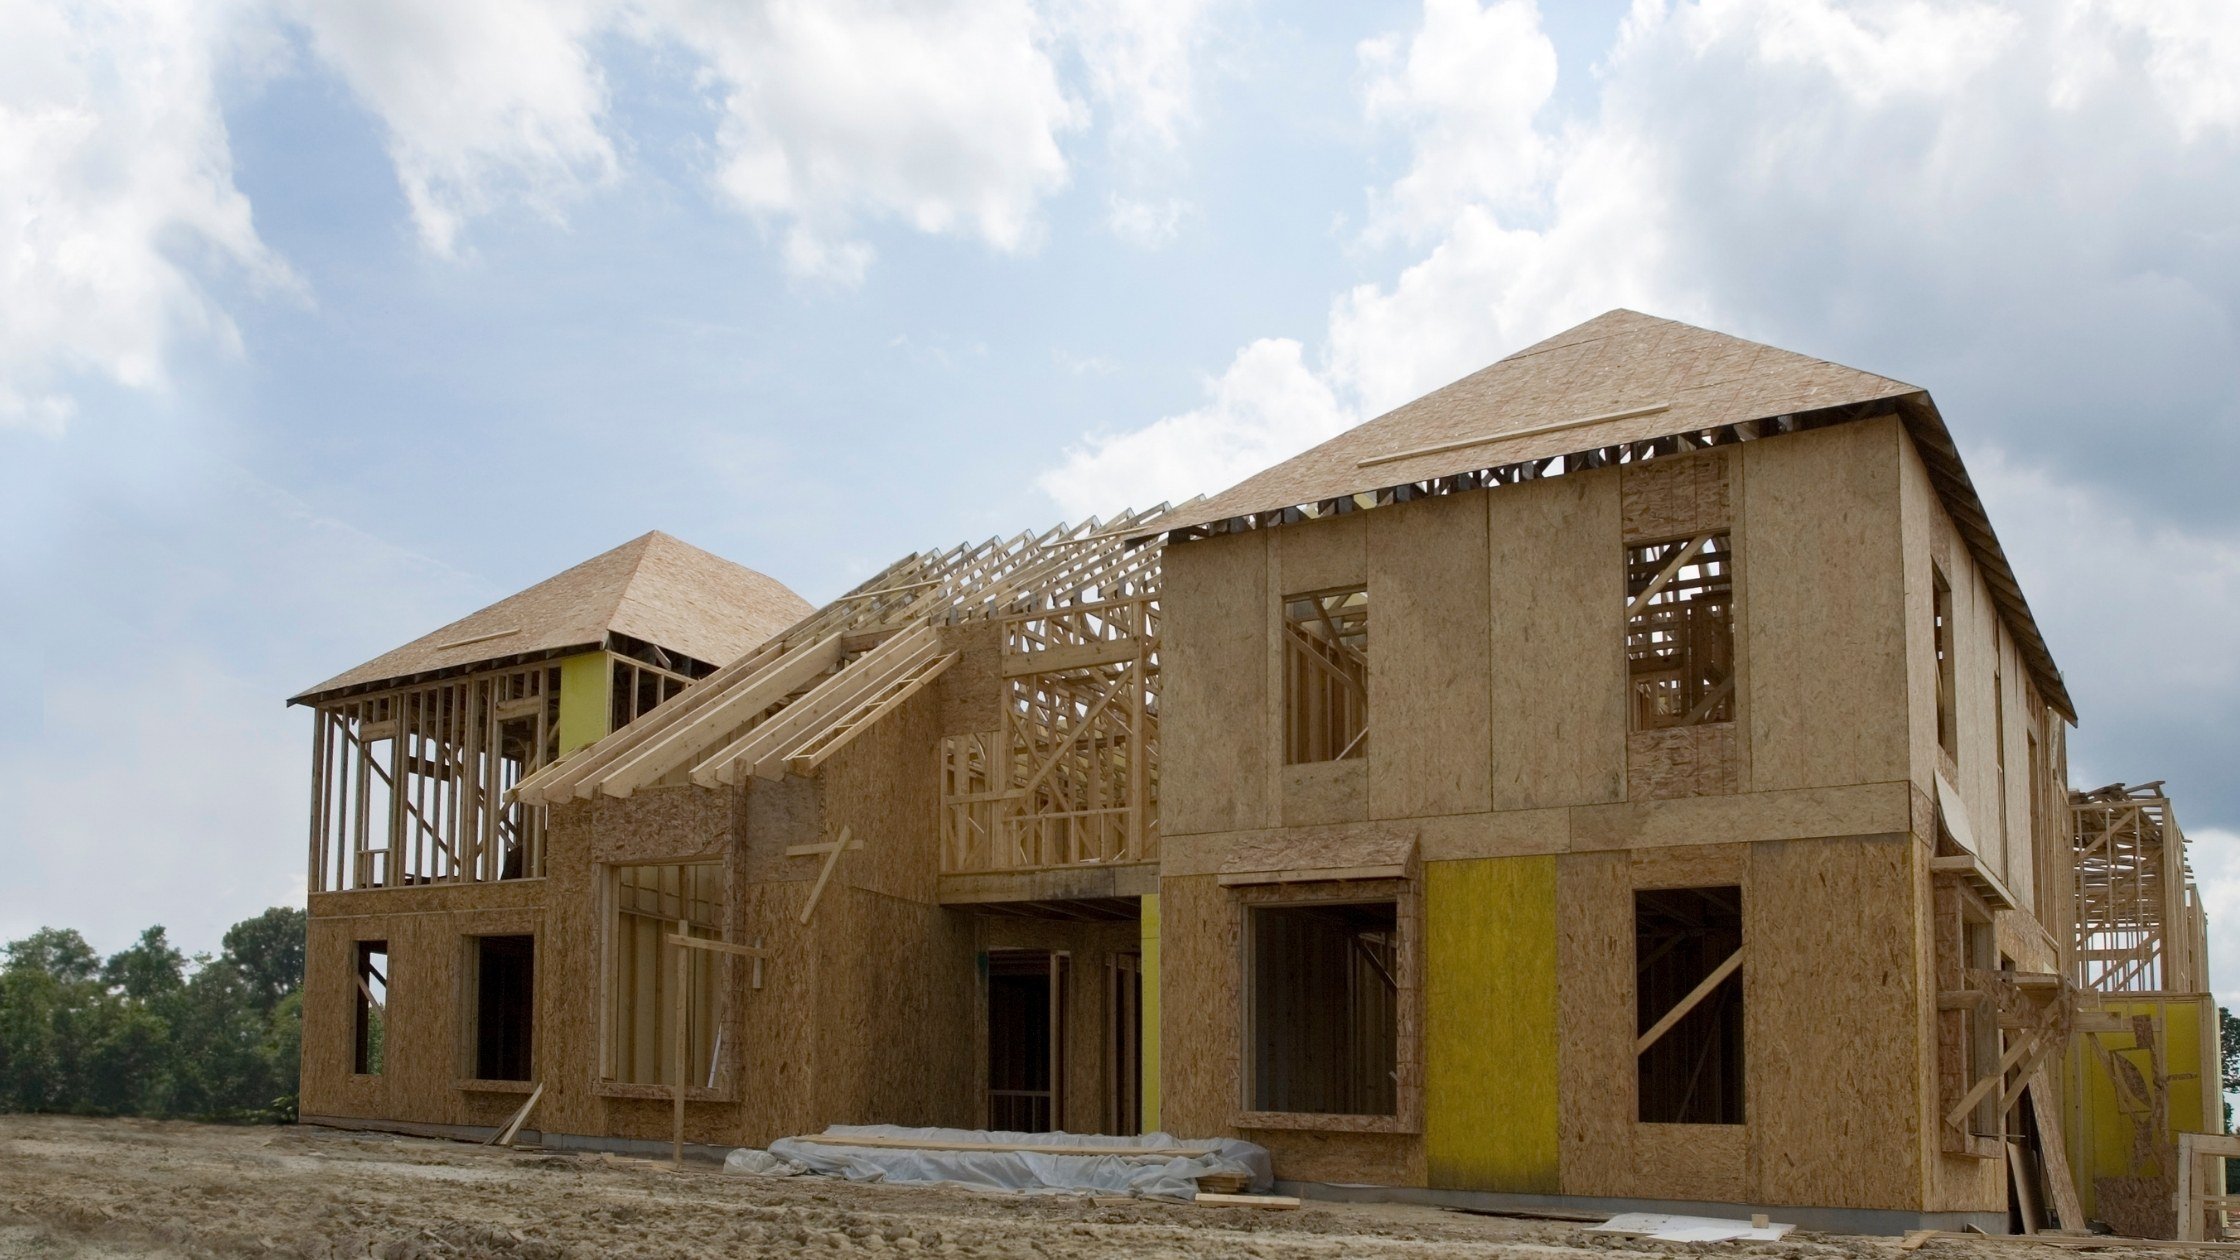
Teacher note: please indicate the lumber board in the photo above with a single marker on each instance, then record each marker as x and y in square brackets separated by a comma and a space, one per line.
[688, 739]
[1279, 1202]
[1022, 1148]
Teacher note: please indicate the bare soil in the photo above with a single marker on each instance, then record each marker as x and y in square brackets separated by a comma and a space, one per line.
[97, 1188]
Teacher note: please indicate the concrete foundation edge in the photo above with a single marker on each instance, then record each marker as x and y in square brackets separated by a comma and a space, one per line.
[1823, 1220]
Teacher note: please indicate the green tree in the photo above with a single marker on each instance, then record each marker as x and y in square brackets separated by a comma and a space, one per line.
[269, 951]
[151, 1032]
[148, 969]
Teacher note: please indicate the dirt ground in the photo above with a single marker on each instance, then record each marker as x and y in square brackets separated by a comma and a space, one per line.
[99, 1188]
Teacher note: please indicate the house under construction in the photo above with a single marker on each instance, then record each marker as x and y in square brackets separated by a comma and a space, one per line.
[1628, 776]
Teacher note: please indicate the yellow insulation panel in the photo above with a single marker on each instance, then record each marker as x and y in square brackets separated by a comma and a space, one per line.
[2104, 1120]
[1489, 1119]
[586, 699]
[1149, 1039]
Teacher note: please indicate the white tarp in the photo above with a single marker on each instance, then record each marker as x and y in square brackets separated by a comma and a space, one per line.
[1688, 1228]
[1136, 1167]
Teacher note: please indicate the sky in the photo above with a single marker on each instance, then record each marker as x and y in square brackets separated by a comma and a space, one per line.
[323, 323]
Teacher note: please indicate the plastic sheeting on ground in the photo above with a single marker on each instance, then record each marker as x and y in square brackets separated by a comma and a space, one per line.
[1689, 1228]
[1030, 1172]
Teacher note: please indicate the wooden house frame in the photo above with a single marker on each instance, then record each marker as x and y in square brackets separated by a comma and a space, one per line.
[1628, 777]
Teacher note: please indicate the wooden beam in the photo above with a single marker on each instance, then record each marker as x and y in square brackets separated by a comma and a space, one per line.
[688, 739]
[1074, 656]
[1671, 570]
[832, 859]
[1695, 998]
[505, 1136]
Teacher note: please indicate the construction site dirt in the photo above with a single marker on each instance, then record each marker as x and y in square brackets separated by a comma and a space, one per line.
[75, 1187]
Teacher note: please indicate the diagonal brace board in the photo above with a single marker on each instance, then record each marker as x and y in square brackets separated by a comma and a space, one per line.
[1694, 999]
[824, 877]
[1670, 571]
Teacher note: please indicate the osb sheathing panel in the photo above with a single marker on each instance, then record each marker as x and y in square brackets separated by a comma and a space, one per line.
[1429, 670]
[1214, 699]
[1809, 812]
[1984, 652]
[894, 1007]
[1862, 809]
[425, 1053]
[972, 689]
[1682, 761]
[1198, 1012]
[885, 789]
[1595, 1075]
[1832, 990]
[1326, 792]
[1830, 1037]
[1676, 497]
[1088, 1052]
[1821, 571]
[1557, 598]
[1324, 555]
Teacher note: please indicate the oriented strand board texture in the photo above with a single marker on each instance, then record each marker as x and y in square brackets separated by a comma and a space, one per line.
[1822, 592]
[1429, 670]
[885, 789]
[1324, 555]
[427, 1021]
[1831, 1039]
[1682, 761]
[1216, 770]
[1616, 361]
[1558, 596]
[1198, 1015]
[1595, 1007]
[1490, 1016]
[1322, 793]
[653, 588]
[1679, 496]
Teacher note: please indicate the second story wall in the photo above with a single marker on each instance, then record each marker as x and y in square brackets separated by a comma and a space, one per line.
[1496, 648]
[1999, 746]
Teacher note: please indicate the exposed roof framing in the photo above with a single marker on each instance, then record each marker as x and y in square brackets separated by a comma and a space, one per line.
[804, 695]
[1621, 388]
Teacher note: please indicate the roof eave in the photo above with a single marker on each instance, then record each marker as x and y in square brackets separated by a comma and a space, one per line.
[324, 693]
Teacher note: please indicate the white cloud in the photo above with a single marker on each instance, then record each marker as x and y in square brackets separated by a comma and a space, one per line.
[1147, 224]
[116, 197]
[482, 100]
[1140, 60]
[945, 117]
[1467, 87]
[2027, 206]
[1267, 407]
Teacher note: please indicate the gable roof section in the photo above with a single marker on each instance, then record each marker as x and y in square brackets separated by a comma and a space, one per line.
[1621, 386]
[654, 588]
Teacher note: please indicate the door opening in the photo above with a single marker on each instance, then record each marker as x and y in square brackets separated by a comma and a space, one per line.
[1026, 1051]
[1124, 1037]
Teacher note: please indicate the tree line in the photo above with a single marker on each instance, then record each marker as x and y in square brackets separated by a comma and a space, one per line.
[151, 1032]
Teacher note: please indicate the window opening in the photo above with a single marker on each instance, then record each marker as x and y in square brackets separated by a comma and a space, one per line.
[1325, 1008]
[1948, 724]
[370, 1036]
[1680, 631]
[504, 1007]
[1688, 967]
[650, 903]
[1325, 676]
